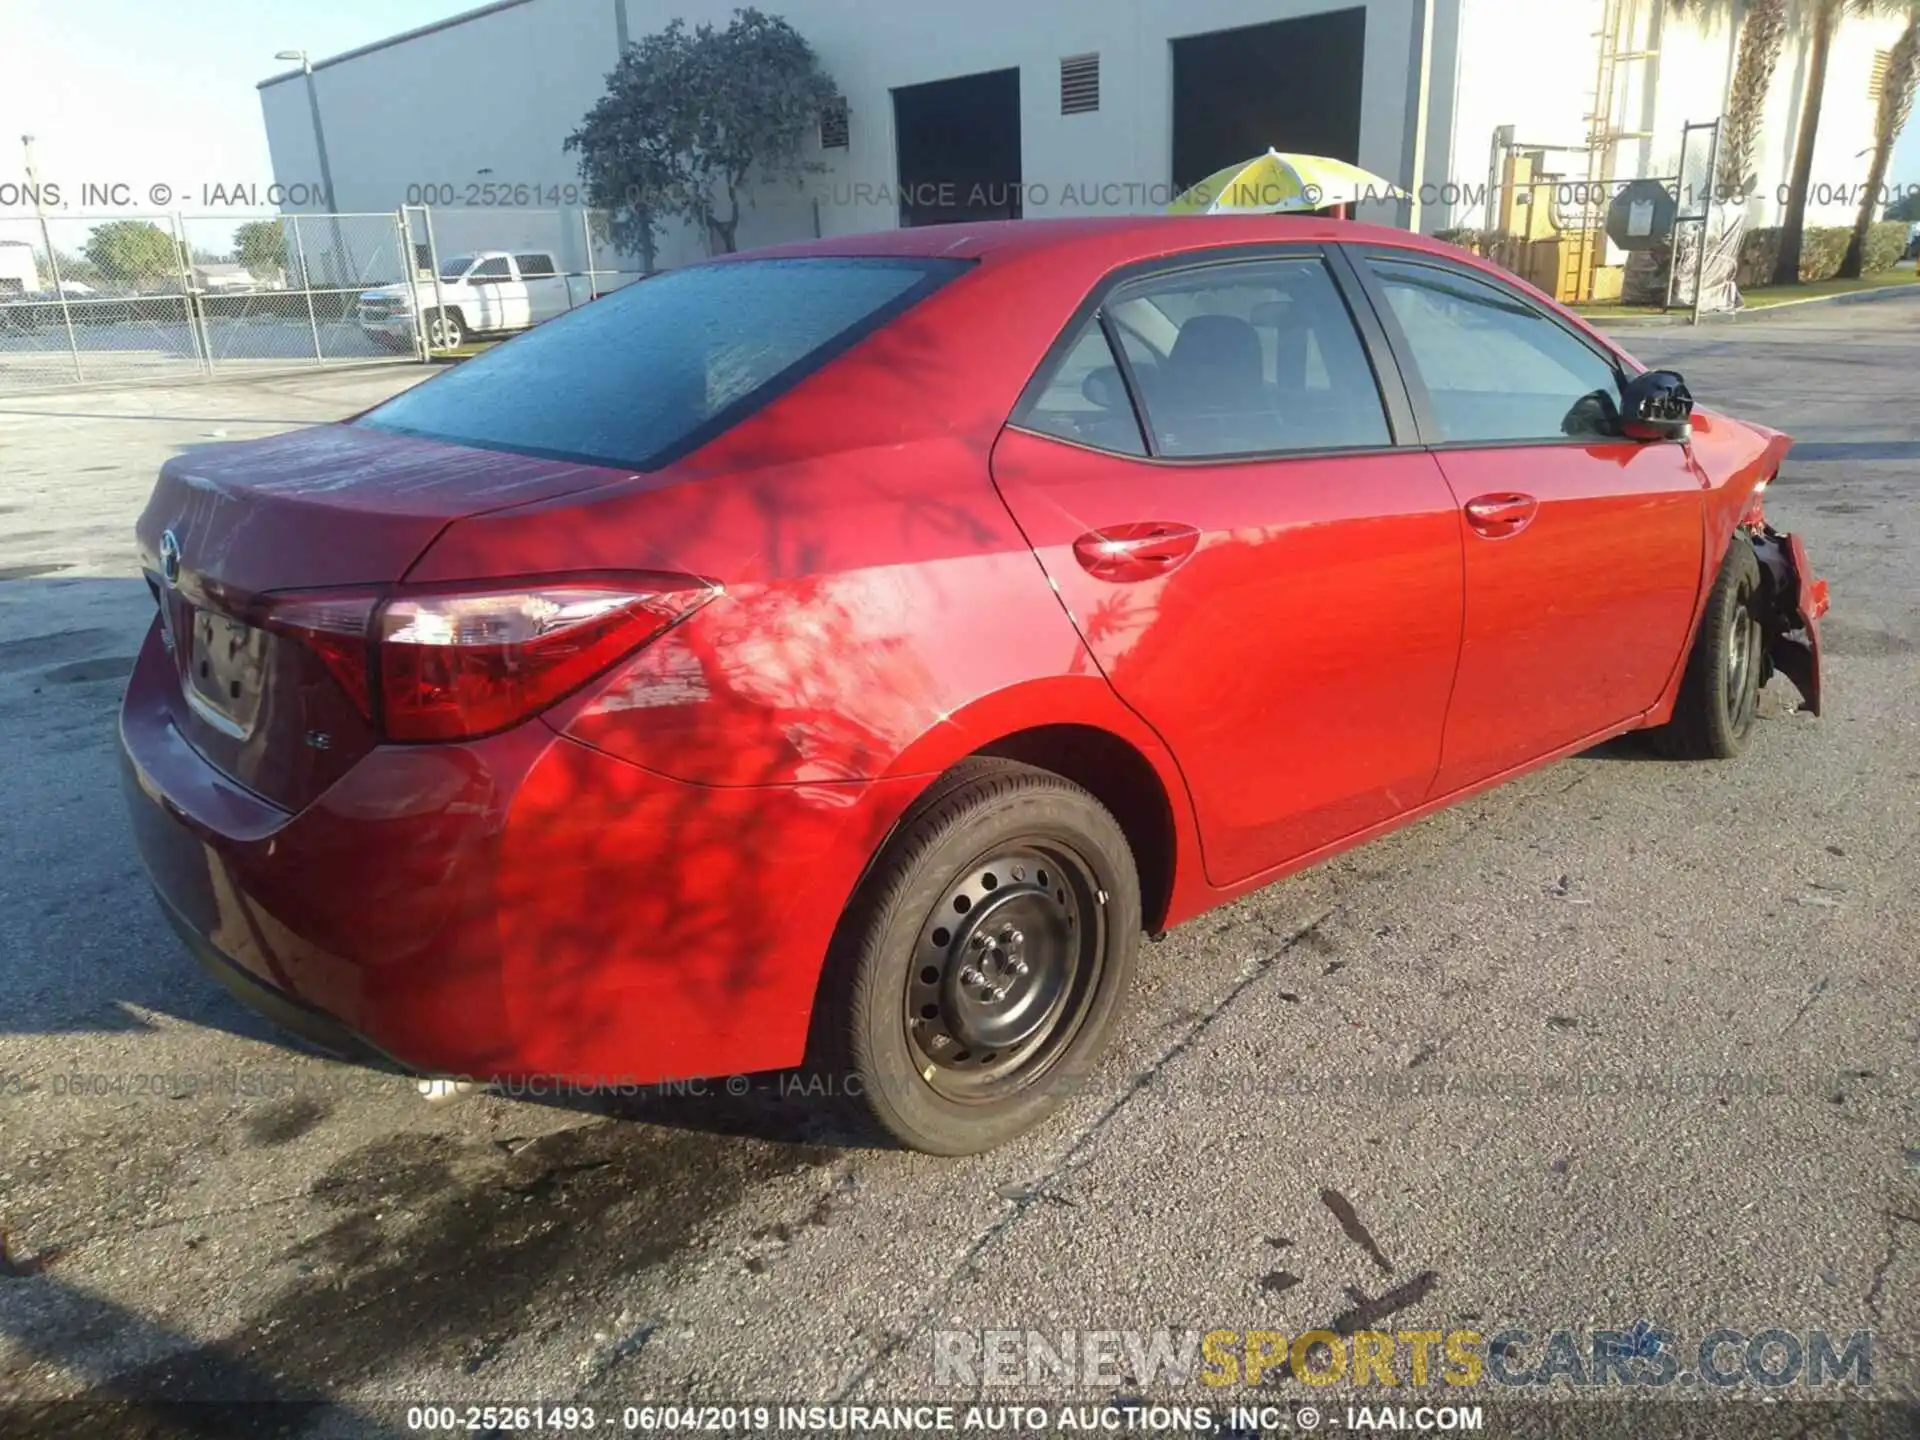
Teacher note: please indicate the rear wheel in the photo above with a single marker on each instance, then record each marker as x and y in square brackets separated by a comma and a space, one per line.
[1720, 694]
[985, 964]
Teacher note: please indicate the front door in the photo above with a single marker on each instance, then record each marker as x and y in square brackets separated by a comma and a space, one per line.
[1583, 549]
[1259, 571]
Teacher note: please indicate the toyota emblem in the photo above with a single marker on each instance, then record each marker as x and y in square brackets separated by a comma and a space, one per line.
[170, 558]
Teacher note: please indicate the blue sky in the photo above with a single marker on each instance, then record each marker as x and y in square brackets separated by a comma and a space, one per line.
[145, 91]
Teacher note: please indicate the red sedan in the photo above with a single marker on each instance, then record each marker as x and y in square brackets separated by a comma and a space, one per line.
[842, 653]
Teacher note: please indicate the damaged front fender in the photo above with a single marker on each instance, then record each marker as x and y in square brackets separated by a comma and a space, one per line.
[1792, 600]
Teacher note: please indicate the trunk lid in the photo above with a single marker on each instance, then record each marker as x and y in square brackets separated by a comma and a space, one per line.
[333, 507]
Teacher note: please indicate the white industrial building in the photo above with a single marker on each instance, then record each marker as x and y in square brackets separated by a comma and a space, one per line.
[1073, 106]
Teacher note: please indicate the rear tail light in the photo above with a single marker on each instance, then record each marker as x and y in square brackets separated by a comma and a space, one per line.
[459, 664]
[334, 627]
[1756, 512]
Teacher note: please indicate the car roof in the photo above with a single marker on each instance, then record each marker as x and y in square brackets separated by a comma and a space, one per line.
[1115, 238]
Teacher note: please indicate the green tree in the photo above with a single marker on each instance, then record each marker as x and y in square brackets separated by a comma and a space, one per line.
[1906, 208]
[1897, 89]
[261, 246]
[74, 269]
[136, 253]
[1764, 25]
[631, 142]
[693, 118]
[1825, 18]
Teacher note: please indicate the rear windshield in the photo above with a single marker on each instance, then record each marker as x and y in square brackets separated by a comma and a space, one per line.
[646, 374]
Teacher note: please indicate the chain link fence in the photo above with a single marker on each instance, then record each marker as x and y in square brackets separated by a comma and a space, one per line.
[128, 298]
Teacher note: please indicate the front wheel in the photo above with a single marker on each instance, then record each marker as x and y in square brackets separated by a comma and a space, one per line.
[982, 970]
[444, 330]
[1720, 693]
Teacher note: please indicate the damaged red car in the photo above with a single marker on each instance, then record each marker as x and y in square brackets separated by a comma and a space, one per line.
[842, 654]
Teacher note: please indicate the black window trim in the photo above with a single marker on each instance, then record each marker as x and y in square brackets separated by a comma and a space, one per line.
[1110, 328]
[1389, 384]
[936, 273]
[1425, 420]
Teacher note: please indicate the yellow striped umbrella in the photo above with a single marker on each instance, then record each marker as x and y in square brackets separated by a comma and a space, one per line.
[1276, 184]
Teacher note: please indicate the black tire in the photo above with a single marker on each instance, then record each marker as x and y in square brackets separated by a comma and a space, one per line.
[443, 329]
[1720, 693]
[951, 1028]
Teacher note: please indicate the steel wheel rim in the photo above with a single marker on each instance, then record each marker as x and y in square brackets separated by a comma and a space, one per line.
[1004, 971]
[1743, 663]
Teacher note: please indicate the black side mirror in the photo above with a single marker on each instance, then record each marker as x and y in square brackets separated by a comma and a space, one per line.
[1656, 406]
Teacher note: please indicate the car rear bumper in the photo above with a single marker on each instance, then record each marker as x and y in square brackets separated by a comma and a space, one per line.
[522, 905]
[315, 1026]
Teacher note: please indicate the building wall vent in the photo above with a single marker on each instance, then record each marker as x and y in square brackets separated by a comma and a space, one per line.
[1079, 84]
[835, 131]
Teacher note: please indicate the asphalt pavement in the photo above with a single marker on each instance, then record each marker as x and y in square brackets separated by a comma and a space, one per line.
[1625, 1041]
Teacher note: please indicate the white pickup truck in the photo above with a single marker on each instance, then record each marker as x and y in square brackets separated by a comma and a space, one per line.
[19, 269]
[490, 292]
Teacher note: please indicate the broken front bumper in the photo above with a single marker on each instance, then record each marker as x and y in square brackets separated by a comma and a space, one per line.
[1792, 600]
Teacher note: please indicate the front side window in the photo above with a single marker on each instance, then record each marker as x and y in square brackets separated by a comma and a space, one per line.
[650, 371]
[1495, 369]
[494, 269]
[1255, 357]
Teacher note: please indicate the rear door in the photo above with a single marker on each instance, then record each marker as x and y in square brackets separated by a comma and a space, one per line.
[1207, 469]
[1583, 549]
[546, 291]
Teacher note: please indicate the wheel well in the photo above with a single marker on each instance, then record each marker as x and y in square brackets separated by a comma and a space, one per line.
[1123, 780]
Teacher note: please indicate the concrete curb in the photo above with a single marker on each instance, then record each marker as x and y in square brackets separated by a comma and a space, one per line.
[1662, 322]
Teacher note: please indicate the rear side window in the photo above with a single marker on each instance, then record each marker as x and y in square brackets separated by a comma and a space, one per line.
[532, 267]
[656, 369]
[1257, 357]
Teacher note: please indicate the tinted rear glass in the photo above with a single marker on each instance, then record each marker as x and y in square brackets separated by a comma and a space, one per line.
[642, 376]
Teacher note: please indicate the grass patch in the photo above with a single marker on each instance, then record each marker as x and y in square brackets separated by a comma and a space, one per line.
[1609, 311]
[1766, 297]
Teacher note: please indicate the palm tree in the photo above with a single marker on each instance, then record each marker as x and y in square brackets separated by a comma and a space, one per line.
[1826, 17]
[1897, 89]
[1763, 35]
